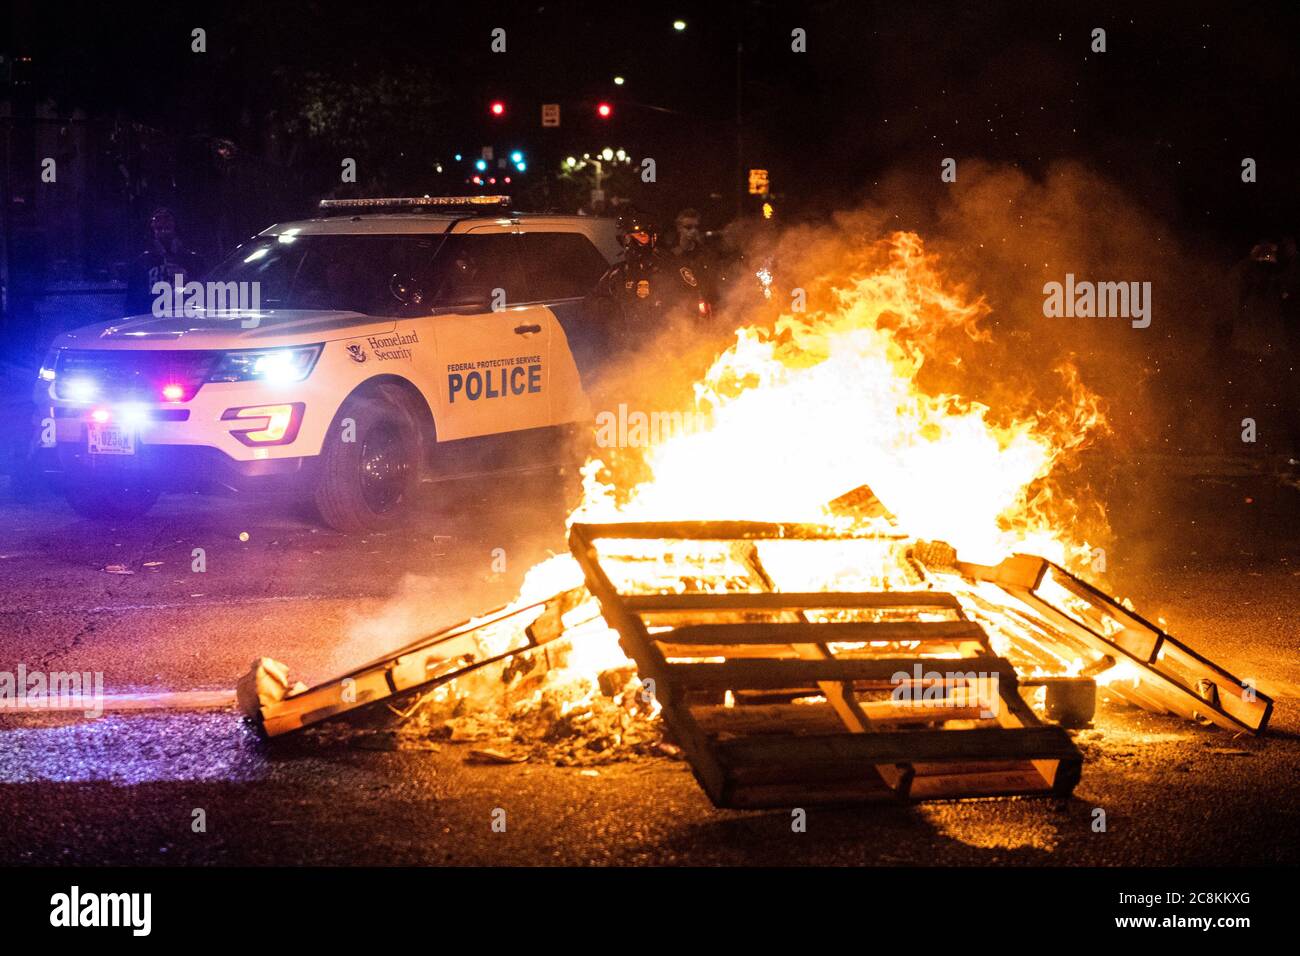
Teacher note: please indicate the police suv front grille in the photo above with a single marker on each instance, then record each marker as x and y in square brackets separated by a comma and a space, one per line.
[95, 375]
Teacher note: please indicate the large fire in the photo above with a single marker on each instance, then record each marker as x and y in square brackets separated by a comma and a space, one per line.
[826, 400]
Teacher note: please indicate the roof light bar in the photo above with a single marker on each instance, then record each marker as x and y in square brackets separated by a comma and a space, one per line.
[400, 202]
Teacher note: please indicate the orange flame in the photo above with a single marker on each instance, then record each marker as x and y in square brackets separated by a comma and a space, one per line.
[828, 400]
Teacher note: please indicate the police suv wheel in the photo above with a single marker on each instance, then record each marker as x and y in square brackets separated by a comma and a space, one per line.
[108, 502]
[366, 483]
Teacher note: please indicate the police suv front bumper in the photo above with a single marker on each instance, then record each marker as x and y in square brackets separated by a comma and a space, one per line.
[177, 468]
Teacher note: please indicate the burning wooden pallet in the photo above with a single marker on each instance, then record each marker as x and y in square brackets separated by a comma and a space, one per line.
[790, 698]
[862, 669]
[1070, 618]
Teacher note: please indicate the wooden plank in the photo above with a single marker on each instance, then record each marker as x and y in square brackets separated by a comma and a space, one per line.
[997, 778]
[764, 632]
[728, 651]
[821, 718]
[767, 719]
[786, 600]
[725, 531]
[848, 751]
[760, 674]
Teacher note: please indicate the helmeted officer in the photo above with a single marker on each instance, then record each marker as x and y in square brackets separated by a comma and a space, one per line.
[647, 285]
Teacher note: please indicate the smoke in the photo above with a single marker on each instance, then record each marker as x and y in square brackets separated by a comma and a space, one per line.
[474, 580]
[1000, 235]
[1003, 234]
[415, 609]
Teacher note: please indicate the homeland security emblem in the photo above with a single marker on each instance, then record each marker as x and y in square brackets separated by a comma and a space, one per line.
[689, 277]
[357, 352]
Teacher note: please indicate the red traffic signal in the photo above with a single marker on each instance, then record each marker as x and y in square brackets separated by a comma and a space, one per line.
[497, 108]
[604, 111]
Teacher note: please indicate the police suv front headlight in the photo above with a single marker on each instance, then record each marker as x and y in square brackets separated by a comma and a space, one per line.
[277, 366]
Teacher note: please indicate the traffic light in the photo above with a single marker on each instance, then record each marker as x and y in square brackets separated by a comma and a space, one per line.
[497, 108]
[604, 110]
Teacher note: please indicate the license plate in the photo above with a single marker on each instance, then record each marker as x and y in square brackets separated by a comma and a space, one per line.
[109, 439]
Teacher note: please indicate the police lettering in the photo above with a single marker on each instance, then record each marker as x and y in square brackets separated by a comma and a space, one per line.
[494, 383]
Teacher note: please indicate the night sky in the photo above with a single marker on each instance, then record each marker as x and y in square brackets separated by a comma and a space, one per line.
[1182, 94]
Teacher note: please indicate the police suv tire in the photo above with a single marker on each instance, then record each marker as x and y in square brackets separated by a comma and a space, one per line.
[366, 484]
[108, 502]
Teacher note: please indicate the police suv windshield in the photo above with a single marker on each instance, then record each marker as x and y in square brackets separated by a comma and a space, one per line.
[348, 273]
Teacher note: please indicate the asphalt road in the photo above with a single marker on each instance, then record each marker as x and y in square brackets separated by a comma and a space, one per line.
[1218, 560]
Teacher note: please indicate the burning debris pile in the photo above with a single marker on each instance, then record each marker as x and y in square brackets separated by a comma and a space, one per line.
[797, 642]
[533, 706]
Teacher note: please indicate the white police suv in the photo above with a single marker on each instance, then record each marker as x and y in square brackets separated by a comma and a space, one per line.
[344, 354]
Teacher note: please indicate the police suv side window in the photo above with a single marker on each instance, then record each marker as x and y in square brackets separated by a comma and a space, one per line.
[471, 268]
[561, 265]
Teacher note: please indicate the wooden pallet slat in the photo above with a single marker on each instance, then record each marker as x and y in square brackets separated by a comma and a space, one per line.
[788, 600]
[765, 674]
[857, 750]
[762, 632]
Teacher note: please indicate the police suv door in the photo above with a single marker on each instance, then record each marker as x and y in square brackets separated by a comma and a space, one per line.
[563, 267]
[494, 359]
